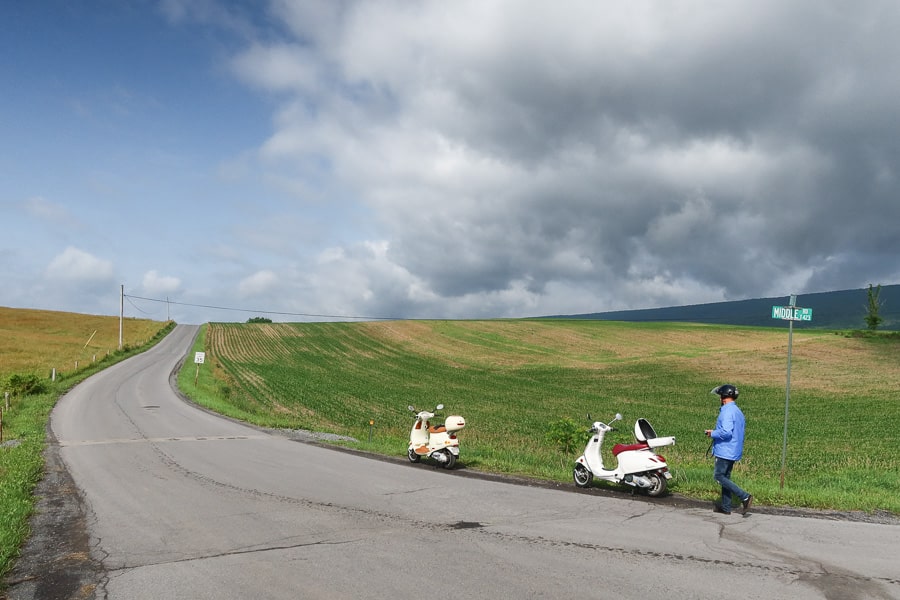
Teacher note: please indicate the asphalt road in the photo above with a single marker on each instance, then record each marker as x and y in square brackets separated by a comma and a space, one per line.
[147, 496]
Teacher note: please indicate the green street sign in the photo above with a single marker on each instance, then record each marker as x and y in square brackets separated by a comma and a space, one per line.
[791, 313]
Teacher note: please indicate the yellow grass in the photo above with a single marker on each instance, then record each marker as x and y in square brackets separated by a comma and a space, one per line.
[821, 360]
[38, 341]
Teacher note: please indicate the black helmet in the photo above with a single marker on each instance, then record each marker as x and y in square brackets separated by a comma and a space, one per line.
[726, 390]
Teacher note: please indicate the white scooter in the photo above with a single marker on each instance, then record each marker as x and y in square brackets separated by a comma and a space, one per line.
[437, 442]
[638, 464]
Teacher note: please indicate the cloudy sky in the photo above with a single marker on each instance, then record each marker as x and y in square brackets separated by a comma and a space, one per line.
[310, 159]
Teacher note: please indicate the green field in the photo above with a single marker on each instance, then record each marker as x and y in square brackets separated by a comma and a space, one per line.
[513, 380]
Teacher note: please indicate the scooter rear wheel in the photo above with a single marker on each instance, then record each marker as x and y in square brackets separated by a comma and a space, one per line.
[412, 456]
[582, 475]
[659, 484]
[451, 460]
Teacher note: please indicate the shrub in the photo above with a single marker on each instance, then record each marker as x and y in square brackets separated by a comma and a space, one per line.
[565, 434]
[22, 385]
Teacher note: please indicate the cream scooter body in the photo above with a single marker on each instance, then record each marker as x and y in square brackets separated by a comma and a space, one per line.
[437, 442]
[638, 465]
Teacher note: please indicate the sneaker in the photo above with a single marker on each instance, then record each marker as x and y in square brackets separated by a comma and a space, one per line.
[721, 510]
[747, 503]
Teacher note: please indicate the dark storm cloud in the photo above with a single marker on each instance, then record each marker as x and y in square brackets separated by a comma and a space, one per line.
[675, 153]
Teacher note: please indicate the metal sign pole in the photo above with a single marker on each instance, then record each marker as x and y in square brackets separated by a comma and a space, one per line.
[789, 313]
[787, 393]
[787, 400]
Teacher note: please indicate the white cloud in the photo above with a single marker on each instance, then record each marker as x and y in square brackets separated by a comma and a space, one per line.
[77, 265]
[42, 208]
[154, 283]
[259, 283]
[278, 68]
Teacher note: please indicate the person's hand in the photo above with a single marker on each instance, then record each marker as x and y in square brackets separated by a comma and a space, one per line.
[708, 432]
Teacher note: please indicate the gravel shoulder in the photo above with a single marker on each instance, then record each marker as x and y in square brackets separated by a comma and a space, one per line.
[56, 561]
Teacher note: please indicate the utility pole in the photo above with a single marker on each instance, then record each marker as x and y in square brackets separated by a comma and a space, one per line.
[121, 312]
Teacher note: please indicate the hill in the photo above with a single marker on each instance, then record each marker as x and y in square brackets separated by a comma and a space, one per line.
[844, 309]
[36, 341]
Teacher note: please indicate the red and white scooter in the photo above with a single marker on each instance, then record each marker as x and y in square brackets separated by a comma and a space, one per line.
[638, 465]
[437, 442]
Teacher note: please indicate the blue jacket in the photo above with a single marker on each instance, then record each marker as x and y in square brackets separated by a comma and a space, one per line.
[728, 436]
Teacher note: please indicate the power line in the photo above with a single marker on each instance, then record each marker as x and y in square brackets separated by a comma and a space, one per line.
[136, 307]
[266, 312]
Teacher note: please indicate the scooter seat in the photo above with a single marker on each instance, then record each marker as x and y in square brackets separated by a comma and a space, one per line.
[438, 429]
[619, 448]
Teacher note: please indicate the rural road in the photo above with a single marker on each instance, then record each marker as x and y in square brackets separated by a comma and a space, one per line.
[149, 497]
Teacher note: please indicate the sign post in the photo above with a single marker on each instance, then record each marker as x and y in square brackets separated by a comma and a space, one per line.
[790, 314]
[199, 358]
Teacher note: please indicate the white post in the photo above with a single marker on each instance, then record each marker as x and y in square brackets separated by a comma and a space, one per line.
[121, 311]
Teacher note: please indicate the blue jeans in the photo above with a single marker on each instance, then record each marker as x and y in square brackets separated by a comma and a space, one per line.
[722, 475]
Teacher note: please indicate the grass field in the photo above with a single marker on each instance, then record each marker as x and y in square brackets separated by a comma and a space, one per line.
[513, 379]
[37, 341]
[34, 343]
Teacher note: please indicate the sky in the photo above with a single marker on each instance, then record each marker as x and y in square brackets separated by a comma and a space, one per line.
[318, 160]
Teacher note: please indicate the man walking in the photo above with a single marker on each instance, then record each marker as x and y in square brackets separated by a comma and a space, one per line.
[728, 447]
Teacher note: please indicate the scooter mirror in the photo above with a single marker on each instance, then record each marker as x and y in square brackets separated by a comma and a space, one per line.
[410, 407]
[439, 407]
[618, 417]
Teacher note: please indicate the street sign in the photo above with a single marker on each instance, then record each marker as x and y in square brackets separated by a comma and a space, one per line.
[199, 359]
[791, 313]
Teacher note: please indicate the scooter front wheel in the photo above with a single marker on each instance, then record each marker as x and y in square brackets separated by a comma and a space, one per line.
[582, 475]
[412, 456]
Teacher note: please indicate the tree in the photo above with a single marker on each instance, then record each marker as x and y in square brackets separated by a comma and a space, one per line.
[873, 319]
[259, 320]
